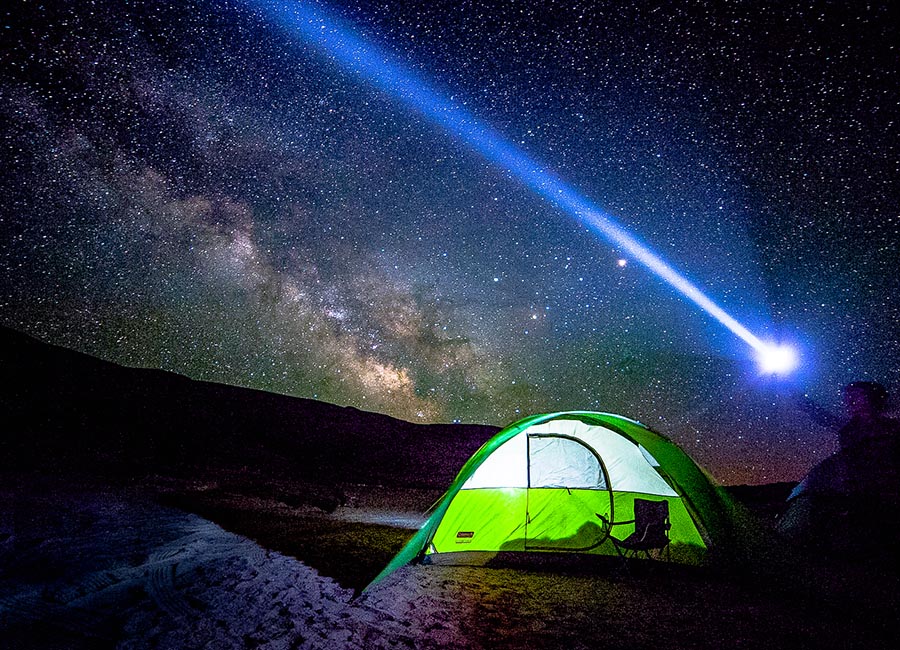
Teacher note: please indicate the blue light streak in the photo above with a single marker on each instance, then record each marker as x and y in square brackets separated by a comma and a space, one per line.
[376, 67]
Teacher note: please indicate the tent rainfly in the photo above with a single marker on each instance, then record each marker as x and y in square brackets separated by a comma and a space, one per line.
[548, 483]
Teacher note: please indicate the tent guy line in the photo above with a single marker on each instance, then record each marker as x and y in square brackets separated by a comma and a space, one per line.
[378, 68]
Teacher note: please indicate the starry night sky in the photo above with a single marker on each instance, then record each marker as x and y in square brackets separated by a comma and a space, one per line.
[188, 186]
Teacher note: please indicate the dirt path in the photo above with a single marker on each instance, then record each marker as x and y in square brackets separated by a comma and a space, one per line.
[89, 568]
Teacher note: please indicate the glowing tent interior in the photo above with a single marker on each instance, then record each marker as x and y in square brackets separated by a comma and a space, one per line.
[555, 482]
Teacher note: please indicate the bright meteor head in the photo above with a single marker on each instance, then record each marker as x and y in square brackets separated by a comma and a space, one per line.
[777, 359]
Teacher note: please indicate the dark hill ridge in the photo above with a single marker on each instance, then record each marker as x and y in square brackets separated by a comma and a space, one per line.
[67, 410]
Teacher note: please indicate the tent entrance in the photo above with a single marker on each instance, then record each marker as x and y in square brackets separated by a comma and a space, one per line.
[567, 485]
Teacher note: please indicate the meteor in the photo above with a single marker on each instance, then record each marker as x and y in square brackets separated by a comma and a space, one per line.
[778, 360]
[309, 23]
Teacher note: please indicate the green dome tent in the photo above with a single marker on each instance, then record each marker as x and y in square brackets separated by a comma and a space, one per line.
[549, 483]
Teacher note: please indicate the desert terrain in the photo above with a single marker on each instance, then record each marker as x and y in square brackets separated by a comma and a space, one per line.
[124, 524]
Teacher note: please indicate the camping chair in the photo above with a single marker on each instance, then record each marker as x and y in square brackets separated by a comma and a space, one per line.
[651, 531]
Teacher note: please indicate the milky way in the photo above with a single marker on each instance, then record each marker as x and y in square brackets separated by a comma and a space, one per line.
[186, 187]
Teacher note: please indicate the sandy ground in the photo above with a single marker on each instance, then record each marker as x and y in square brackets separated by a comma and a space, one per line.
[95, 567]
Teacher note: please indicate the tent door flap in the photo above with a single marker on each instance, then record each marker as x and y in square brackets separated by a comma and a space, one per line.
[567, 485]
